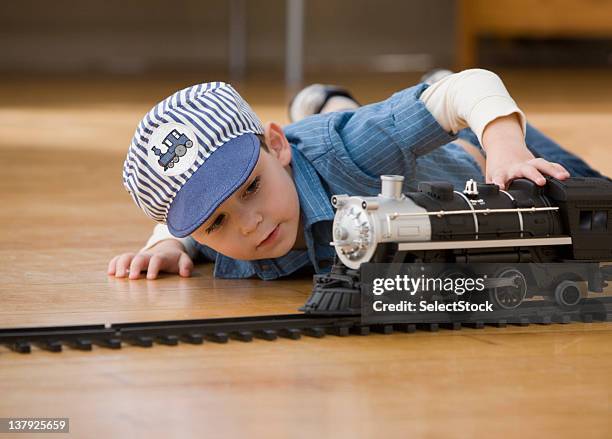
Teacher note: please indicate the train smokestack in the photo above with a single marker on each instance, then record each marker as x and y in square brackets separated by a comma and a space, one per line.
[391, 186]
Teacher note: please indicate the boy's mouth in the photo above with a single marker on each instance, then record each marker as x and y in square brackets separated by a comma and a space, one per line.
[270, 237]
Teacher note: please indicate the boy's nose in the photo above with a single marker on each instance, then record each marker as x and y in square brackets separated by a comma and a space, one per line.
[249, 222]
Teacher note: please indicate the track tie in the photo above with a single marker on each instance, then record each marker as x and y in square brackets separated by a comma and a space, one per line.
[242, 336]
[193, 338]
[478, 324]
[51, 345]
[500, 323]
[340, 331]
[522, 321]
[266, 334]
[111, 343]
[405, 327]
[315, 332]
[168, 340]
[360, 330]
[431, 327]
[291, 333]
[383, 329]
[82, 344]
[600, 316]
[218, 337]
[544, 320]
[142, 341]
[23, 347]
[563, 319]
[453, 326]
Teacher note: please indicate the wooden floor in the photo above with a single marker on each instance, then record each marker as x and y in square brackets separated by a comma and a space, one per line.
[65, 214]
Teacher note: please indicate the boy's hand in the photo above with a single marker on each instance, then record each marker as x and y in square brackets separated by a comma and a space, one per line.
[168, 256]
[508, 157]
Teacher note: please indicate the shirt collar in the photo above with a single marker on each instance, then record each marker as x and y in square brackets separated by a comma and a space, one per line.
[315, 202]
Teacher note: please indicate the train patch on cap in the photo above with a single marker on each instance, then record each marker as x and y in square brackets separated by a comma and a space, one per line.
[172, 149]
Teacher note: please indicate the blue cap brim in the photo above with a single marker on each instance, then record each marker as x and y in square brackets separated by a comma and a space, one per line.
[214, 182]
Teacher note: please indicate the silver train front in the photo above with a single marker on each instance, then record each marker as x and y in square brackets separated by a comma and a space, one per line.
[361, 223]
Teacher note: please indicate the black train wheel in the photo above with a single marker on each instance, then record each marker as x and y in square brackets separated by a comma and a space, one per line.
[509, 297]
[568, 294]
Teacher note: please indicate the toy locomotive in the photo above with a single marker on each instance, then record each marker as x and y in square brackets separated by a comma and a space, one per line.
[564, 221]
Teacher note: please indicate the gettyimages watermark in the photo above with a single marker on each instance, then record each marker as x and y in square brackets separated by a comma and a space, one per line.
[423, 285]
[442, 292]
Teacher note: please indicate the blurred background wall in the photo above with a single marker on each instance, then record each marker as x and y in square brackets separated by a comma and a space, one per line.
[138, 36]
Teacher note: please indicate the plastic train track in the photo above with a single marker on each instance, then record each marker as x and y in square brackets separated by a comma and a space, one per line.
[291, 326]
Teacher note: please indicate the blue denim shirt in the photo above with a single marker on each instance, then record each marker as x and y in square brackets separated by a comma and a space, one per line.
[345, 153]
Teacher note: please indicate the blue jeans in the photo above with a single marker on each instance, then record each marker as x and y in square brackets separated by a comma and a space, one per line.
[548, 149]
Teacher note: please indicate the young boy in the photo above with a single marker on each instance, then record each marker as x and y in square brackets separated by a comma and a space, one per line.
[255, 200]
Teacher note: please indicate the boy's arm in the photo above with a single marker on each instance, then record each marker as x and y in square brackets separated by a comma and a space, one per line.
[478, 99]
[472, 98]
[386, 137]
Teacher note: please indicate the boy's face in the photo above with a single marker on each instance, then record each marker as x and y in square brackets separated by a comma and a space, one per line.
[261, 219]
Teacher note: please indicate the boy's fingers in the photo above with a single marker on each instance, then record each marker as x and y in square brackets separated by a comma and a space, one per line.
[549, 168]
[185, 265]
[155, 264]
[533, 170]
[564, 172]
[559, 167]
[532, 173]
[138, 264]
[122, 264]
[111, 265]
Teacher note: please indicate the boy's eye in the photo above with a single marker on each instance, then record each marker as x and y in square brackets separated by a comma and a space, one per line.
[253, 187]
[218, 222]
[250, 190]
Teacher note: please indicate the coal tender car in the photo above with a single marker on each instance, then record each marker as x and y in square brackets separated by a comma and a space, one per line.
[563, 221]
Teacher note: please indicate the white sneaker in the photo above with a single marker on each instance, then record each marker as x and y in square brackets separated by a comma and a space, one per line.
[316, 97]
[435, 75]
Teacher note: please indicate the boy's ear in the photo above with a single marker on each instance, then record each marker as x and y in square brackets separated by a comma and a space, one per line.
[278, 145]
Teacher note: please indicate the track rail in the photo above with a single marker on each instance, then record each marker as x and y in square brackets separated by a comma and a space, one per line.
[292, 326]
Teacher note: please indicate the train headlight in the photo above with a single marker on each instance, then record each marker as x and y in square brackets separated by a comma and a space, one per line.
[353, 235]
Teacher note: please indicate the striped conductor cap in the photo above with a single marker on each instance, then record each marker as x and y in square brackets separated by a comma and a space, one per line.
[190, 153]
